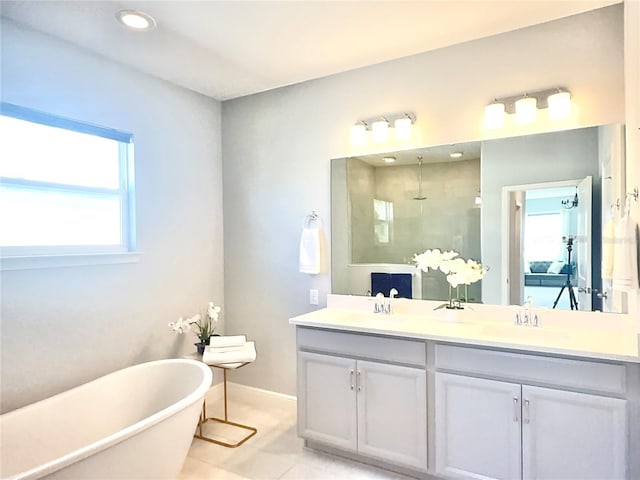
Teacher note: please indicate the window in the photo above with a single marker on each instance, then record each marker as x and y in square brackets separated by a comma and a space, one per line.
[543, 239]
[382, 221]
[66, 187]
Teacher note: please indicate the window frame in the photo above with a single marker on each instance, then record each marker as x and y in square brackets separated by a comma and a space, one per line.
[125, 194]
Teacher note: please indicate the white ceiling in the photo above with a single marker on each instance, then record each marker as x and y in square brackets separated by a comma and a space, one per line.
[436, 154]
[227, 49]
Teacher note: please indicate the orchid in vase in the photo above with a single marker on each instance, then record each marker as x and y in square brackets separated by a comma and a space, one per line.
[459, 272]
[203, 327]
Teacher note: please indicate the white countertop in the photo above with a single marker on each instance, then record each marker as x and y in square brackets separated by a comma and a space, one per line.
[468, 327]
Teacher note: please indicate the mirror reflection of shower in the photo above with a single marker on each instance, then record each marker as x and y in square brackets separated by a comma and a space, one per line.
[420, 195]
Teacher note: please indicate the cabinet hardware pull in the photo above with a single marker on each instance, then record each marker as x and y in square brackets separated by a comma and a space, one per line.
[358, 382]
[525, 417]
[351, 379]
[516, 409]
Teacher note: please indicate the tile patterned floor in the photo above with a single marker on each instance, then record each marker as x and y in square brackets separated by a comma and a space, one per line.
[274, 453]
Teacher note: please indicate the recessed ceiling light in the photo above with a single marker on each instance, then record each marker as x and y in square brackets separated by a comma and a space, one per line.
[136, 20]
[389, 159]
[455, 154]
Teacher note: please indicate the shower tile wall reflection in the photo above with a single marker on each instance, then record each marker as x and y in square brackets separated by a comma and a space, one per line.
[389, 223]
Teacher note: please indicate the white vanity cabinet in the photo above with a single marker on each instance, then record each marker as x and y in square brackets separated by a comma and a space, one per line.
[326, 400]
[477, 428]
[572, 435]
[365, 395]
[494, 429]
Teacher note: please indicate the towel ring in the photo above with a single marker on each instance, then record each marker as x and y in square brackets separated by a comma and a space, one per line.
[310, 219]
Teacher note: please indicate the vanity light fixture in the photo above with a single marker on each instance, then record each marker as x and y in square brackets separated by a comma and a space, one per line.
[389, 159]
[526, 110]
[455, 154]
[380, 126]
[559, 105]
[494, 115]
[380, 130]
[136, 20]
[403, 127]
[525, 107]
[358, 134]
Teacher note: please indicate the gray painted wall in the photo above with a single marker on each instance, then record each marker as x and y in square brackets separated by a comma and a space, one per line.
[63, 326]
[277, 148]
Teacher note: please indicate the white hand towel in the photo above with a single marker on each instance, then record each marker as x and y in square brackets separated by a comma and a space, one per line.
[213, 357]
[228, 341]
[625, 261]
[310, 251]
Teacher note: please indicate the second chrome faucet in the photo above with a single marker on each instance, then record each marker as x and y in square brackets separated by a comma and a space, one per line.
[384, 306]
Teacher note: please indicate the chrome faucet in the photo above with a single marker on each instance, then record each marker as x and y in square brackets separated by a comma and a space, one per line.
[378, 306]
[527, 316]
[392, 294]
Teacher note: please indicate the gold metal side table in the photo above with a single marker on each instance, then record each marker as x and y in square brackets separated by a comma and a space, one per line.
[203, 416]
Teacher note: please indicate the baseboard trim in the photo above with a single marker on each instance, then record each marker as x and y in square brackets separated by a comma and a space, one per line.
[240, 386]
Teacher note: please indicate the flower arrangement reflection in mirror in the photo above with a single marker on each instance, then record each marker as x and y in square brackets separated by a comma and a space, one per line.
[459, 272]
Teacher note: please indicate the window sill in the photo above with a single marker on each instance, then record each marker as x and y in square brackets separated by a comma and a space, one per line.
[72, 260]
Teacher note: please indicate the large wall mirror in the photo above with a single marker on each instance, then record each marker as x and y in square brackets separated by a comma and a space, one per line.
[531, 208]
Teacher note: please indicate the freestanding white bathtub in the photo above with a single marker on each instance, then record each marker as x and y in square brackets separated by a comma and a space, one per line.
[135, 423]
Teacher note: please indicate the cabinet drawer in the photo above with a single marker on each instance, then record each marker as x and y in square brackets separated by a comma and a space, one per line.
[395, 350]
[567, 373]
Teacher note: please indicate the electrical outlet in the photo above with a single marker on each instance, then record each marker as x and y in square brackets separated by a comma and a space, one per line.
[313, 296]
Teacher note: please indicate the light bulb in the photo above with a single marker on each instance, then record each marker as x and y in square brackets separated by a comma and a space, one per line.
[136, 20]
[380, 130]
[403, 128]
[559, 105]
[526, 110]
[358, 134]
[494, 115]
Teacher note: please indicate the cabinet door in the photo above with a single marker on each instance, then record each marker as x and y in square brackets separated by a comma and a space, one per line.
[392, 413]
[327, 400]
[572, 435]
[477, 428]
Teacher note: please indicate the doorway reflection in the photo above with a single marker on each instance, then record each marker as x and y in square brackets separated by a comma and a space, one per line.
[550, 249]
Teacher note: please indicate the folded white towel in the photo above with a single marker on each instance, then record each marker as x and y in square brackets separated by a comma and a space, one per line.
[625, 261]
[236, 348]
[213, 357]
[228, 341]
[310, 251]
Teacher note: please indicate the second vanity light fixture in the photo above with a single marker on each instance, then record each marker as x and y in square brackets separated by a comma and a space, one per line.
[380, 127]
[525, 107]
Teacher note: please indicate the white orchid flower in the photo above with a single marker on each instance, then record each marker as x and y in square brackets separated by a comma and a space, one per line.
[429, 259]
[452, 266]
[213, 311]
[180, 326]
[455, 279]
[448, 255]
[474, 271]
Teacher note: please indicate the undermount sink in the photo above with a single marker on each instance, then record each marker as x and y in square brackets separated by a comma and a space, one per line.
[523, 332]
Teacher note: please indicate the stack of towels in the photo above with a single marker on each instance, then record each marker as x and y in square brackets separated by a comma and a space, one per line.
[231, 350]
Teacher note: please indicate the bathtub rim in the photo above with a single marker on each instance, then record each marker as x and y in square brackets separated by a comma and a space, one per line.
[127, 432]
